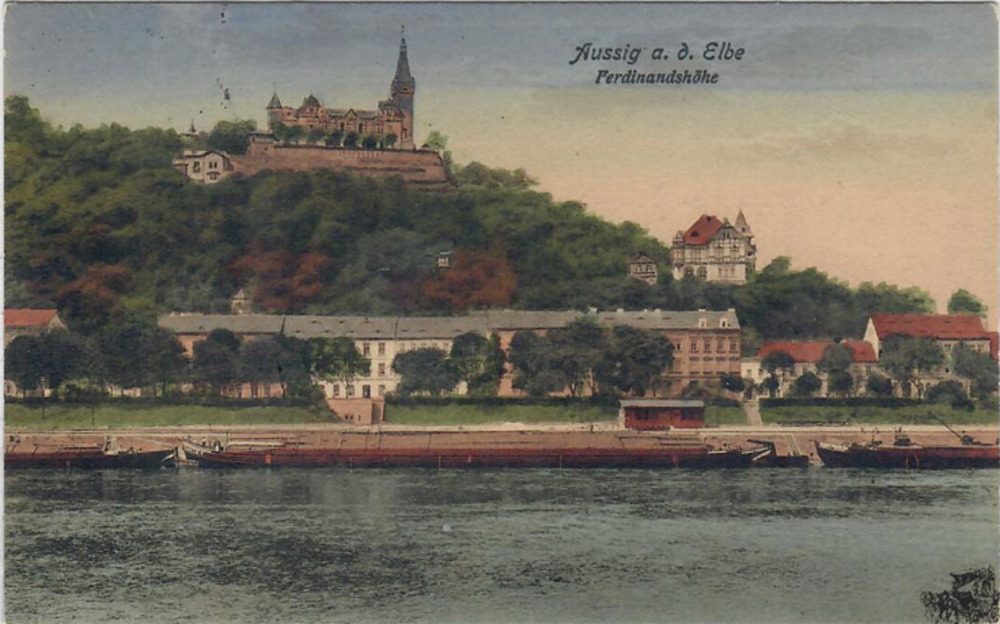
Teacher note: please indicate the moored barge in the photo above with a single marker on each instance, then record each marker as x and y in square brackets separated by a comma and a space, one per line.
[904, 454]
[88, 458]
[702, 457]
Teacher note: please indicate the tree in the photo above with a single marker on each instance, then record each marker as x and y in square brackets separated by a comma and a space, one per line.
[777, 360]
[351, 139]
[232, 136]
[390, 140]
[951, 393]
[277, 359]
[732, 383]
[478, 361]
[337, 359]
[980, 368]
[369, 142]
[435, 141]
[475, 279]
[806, 384]
[335, 138]
[964, 302]
[632, 360]
[577, 351]
[904, 356]
[164, 357]
[534, 364]
[23, 363]
[314, 136]
[425, 370]
[879, 385]
[216, 360]
[840, 382]
[478, 174]
[836, 357]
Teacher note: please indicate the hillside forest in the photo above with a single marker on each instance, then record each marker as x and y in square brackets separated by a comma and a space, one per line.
[99, 225]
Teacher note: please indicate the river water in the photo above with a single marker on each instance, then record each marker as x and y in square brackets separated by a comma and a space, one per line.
[373, 546]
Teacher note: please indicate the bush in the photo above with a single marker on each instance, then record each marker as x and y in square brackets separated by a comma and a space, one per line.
[950, 393]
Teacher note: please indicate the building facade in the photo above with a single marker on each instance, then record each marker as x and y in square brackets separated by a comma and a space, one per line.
[29, 322]
[807, 355]
[715, 250]
[643, 268]
[706, 343]
[203, 166]
[392, 117]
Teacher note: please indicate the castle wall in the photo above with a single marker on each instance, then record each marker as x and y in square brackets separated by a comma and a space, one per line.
[420, 168]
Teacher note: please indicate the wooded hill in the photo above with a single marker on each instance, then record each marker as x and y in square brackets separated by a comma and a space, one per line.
[100, 225]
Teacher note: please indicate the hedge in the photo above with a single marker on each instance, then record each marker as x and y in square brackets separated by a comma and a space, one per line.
[841, 402]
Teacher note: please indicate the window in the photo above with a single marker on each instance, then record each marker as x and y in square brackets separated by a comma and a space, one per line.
[350, 390]
[732, 345]
[381, 369]
[694, 346]
[719, 346]
[381, 348]
[213, 164]
[366, 348]
[707, 344]
[335, 390]
[196, 166]
[381, 390]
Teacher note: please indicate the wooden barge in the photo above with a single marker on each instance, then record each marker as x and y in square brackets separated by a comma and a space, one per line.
[88, 458]
[908, 455]
[483, 457]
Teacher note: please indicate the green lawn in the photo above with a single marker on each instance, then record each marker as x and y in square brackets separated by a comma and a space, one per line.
[716, 416]
[482, 414]
[125, 415]
[912, 415]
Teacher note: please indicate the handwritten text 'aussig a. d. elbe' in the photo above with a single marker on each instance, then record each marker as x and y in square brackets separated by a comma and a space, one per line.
[712, 52]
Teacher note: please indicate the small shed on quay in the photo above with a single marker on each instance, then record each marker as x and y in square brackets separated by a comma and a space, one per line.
[652, 414]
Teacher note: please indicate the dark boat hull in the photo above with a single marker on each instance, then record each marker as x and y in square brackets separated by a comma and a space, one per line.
[479, 458]
[910, 457]
[91, 460]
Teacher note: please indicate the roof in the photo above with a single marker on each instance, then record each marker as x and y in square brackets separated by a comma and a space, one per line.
[529, 319]
[236, 323]
[812, 351]
[275, 102]
[311, 102]
[306, 327]
[670, 319]
[446, 327]
[703, 230]
[403, 76]
[28, 317]
[641, 257]
[940, 326]
[198, 154]
[661, 403]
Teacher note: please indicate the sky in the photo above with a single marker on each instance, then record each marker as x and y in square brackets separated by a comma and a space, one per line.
[860, 139]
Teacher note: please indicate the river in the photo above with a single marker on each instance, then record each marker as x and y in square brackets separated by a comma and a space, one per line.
[372, 546]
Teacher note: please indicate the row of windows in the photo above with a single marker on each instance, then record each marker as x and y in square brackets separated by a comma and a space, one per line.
[350, 390]
[720, 346]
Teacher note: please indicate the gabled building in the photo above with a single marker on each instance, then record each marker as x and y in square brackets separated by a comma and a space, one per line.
[29, 322]
[948, 330]
[715, 250]
[807, 355]
[203, 166]
[643, 268]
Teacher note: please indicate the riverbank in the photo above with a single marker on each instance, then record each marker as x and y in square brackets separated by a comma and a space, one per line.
[790, 440]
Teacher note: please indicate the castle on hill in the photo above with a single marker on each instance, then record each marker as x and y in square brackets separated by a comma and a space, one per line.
[715, 250]
[391, 123]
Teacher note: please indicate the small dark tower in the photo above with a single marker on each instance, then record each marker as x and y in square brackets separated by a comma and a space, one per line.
[274, 111]
[403, 89]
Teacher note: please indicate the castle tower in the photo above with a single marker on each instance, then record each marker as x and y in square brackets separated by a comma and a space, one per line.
[274, 111]
[401, 94]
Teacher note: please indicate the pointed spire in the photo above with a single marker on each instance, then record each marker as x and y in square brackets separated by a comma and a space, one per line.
[191, 130]
[742, 226]
[275, 102]
[403, 77]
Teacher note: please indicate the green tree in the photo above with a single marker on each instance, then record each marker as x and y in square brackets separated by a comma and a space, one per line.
[216, 360]
[535, 368]
[577, 350]
[839, 381]
[633, 360]
[369, 142]
[435, 141]
[478, 361]
[478, 174]
[903, 357]
[335, 138]
[732, 383]
[277, 359]
[425, 370]
[390, 140]
[773, 363]
[964, 302]
[314, 136]
[836, 357]
[23, 363]
[337, 359]
[232, 136]
[980, 368]
[807, 384]
[879, 385]
[949, 393]
[351, 139]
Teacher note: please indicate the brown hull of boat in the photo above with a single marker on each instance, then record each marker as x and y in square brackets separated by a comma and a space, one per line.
[910, 457]
[88, 459]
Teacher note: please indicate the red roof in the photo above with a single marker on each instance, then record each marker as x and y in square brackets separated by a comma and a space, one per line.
[703, 230]
[812, 352]
[940, 326]
[27, 318]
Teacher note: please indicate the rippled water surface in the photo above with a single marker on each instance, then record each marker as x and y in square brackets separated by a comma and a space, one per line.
[490, 546]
